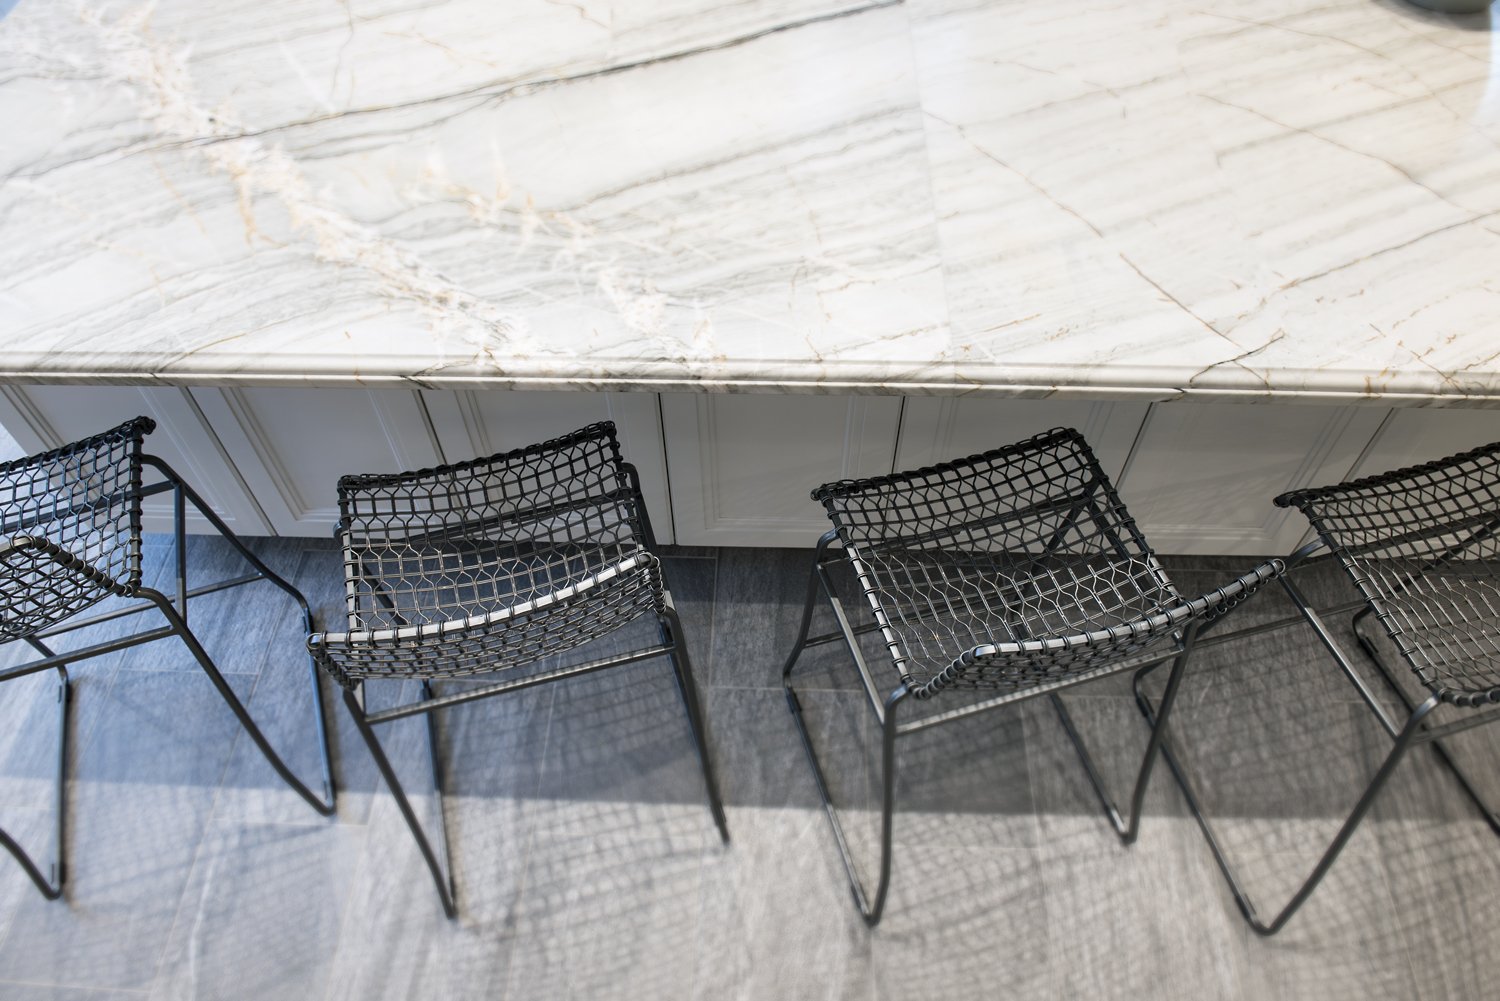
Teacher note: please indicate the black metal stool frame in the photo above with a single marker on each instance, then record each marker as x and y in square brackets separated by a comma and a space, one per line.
[672, 646]
[1188, 621]
[1413, 731]
[50, 883]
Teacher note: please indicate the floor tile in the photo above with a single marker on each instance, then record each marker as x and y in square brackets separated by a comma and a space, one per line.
[141, 792]
[1345, 942]
[1138, 921]
[238, 627]
[50, 992]
[622, 735]
[260, 916]
[776, 920]
[757, 611]
[951, 911]
[395, 943]
[608, 910]
[588, 865]
[1445, 885]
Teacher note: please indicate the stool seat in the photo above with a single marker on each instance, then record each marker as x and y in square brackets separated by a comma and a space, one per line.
[1016, 572]
[488, 567]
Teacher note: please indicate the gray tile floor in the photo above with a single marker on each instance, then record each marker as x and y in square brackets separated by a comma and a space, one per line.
[588, 866]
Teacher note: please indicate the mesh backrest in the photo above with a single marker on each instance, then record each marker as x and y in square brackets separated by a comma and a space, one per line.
[79, 504]
[1020, 543]
[470, 539]
[1421, 544]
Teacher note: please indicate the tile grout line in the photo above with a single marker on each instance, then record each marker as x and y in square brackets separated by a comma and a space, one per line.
[77, 987]
[524, 869]
[235, 743]
[1053, 980]
[203, 832]
[345, 912]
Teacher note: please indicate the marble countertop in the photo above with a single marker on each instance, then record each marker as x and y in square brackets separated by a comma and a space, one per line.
[1237, 199]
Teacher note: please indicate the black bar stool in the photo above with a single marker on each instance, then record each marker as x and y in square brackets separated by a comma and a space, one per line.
[70, 536]
[1017, 572]
[1421, 546]
[489, 566]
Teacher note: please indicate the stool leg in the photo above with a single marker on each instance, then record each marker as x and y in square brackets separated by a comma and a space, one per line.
[1490, 815]
[807, 610]
[1330, 854]
[1128, 830]
[164, 604]
[183, 490]
[682, 672]
[51, 884]
[354, 702]
[870, 907]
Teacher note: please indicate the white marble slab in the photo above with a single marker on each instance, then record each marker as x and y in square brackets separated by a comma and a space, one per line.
[1276, 199]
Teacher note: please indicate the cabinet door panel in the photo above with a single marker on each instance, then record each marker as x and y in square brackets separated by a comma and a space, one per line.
[742, 467]
[1411, 437]
[937, 429]
[471, 423]
[1202, 476]
[292, 445]
[42, 417]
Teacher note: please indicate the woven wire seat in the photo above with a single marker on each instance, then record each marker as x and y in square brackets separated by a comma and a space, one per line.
[70, 537]
[1012, 574]
[70, 528]
[493, 567]
[489, 564]
[1011, 570]
[1421, 544]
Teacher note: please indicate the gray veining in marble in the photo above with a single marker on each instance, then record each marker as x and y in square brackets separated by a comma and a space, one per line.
[1279, 199]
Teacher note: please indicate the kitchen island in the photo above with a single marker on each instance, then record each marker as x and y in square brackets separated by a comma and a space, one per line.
[777, 243]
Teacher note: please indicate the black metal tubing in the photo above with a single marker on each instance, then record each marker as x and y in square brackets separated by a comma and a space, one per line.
[73, 625]
[1431, 736]
[1404, 739]
[324, 806]
[673, 647]
[50, 885]
[439, 788]
[1129, 829]
[442, 870]
[176, 625]
[1412, 731]
[437, 702]
[353, 701]
[670, 630]
[886, 711]
[85, 653]
[687, 690]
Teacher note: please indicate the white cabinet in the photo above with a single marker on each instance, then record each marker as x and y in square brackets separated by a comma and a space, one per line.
[469, 424]
[43, 417]
[940, 428]
[1411, 437]
[736, 470]
[1202, 476]
[742, 466]
[292, 445]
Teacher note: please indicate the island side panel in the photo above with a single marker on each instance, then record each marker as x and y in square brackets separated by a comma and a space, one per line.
[472, 423]
[742, 467]
[942, 428]
[1202, 476]
[43, 417]
[292, 445]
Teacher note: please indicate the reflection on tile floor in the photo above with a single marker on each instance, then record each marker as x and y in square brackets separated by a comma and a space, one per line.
[588, 866]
